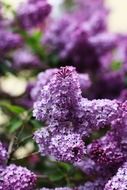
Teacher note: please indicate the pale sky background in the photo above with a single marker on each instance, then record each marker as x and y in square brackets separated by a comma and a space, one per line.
[117, 18]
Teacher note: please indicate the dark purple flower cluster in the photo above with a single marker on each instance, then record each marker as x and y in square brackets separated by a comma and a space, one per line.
[32, 13]
[81, 45]
[8, 41]
[106, 151]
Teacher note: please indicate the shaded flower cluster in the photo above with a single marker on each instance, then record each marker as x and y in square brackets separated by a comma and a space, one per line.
[32, 13]
[8, 41]
[23, 59]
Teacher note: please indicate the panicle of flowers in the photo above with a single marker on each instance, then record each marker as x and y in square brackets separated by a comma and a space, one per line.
[63, 147]
[106, 151]
[42, 79]
[119, 181]
[23, 59]
[32, 13]
[81, 45]
[59, 98]
[69, 116]
[96, 185]
[9, 41]
[17, 178]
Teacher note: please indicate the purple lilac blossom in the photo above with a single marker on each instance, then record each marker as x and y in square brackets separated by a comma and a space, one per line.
[74, 44]
[44, 77]
[32, 13]
[69, 116]
[89, 6]
[119, 181]
[90, 168]
[103, 42]
[96, 185]
[9, 41]
[17, 178]
[69, 41]
[123, 95]
[67, 148]
[61, 101]
[23, 59]
[113, 81]
[60, 97]
[106, 151]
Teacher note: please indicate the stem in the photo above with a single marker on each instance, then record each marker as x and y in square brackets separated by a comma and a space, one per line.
[10, 149]
[26, 138]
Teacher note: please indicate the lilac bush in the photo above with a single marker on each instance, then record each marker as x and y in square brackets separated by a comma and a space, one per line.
[67, 129]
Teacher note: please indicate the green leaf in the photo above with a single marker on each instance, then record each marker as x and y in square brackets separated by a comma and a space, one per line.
[36, 124]
[15, 124]
[116, 65]
[12, 108]
[56, 176]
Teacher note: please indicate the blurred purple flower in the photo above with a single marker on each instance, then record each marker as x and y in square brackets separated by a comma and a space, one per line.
[32, 13]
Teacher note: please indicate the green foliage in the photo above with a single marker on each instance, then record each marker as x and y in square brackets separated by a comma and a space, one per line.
[116, 65]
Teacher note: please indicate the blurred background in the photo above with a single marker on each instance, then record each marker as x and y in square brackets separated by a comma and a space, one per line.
[117, 18]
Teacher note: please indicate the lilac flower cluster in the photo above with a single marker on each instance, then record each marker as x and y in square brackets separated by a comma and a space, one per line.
[32, 13]
[71, 119]
[84, 114]
[81, 45]
[118, 182]
[44, 77]
[14, 177]
[23, 59]
[17, 178]
[8, 41]
[106, 151]
[68, 115]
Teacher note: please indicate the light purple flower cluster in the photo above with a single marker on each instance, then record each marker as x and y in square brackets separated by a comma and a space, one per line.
[119, 181]
[17, 178]
[44, 77]
[70, 116]
[23, 59]
[14, 177]
[32, 13]
[63, 147]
